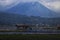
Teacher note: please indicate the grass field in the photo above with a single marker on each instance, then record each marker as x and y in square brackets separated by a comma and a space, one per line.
[30, 37]
[11, 30]
[27, 36]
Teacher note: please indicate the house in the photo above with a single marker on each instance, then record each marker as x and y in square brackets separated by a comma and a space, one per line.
[23, 26]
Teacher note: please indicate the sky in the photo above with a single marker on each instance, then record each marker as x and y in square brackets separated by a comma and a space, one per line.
[5, 4]
[53, 5]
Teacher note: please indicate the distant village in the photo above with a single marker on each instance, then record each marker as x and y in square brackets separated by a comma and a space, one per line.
[32, 27]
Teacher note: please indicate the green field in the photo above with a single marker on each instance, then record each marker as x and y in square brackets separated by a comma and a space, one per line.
[30, 37]
[11, 30]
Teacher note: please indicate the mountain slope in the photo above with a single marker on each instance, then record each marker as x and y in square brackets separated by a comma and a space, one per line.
[9, 18]
[33, 9]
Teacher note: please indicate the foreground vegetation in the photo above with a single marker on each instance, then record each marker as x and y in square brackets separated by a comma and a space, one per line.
[29, 36]
[12, 30]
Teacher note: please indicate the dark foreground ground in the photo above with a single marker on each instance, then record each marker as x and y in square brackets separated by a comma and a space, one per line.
[30, 37]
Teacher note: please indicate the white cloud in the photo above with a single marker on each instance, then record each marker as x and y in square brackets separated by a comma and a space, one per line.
[5, 4]
[51, 4]
[55, 5]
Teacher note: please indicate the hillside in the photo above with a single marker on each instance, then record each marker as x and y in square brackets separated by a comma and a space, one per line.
[9, 18]
[33, 9]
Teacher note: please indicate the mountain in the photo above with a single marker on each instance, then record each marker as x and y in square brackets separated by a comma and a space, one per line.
[33, 9]
[7, 18]
[11, 18]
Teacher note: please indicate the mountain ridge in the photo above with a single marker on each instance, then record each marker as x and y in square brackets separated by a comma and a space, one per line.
[33, 9]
